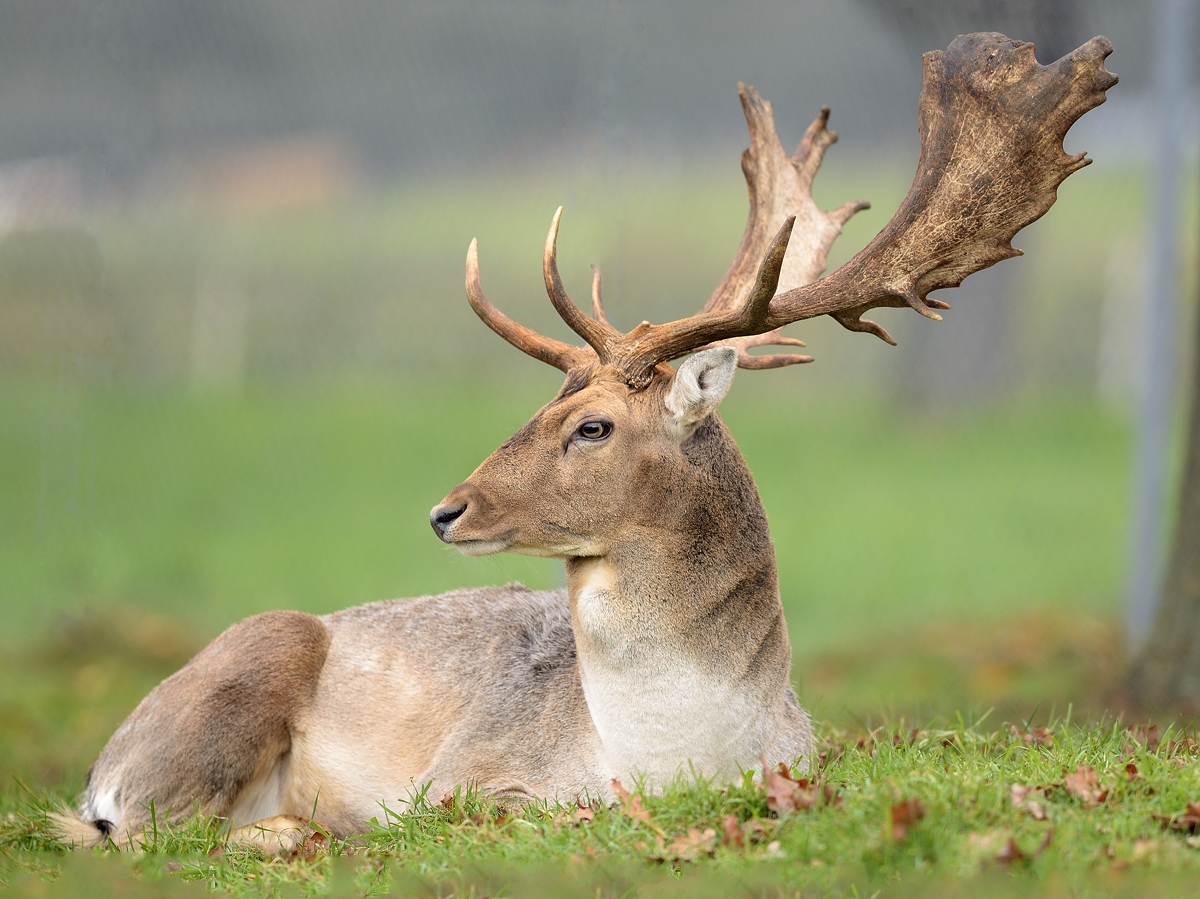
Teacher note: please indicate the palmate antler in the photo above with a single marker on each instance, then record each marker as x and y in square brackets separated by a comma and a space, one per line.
[992, 122]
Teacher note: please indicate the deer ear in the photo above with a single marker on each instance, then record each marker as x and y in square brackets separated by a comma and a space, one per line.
[700, 384]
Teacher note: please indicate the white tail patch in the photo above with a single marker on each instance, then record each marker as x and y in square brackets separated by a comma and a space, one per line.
[74, 832]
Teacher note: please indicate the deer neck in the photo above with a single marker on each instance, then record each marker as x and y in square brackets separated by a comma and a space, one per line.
[682, 645]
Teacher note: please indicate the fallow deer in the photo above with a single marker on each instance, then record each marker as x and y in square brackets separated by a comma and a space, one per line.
[667, 652]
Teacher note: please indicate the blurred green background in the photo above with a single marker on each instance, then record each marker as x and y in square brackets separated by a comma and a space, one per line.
[237, 367]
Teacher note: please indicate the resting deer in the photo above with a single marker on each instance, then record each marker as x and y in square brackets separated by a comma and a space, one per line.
[667, 652]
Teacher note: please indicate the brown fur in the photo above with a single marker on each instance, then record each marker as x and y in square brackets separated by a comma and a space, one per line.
[211, 728]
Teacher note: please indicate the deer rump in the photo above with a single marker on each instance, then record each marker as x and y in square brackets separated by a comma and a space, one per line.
[668, 652]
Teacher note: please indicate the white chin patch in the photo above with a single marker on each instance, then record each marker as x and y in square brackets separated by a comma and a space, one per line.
[481, 547]
[584, 548]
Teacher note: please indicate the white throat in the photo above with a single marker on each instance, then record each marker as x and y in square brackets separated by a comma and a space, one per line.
[658, 712]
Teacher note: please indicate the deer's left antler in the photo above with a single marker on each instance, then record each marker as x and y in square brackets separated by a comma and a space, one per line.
[992, 123]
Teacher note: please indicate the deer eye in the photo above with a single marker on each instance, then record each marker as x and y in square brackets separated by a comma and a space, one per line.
[594, 430]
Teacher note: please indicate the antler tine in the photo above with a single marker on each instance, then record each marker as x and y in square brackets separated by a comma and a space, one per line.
[599, 335]
[780, 185]
[775, 360]
[597, 306]
[561, 355]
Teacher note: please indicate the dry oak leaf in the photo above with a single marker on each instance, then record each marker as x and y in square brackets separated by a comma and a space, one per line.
[1189, 821]
[1181, 747]
[1026, 798]
[913, 735]
[1012, 852]
[1000, 847]
[631, 803]
[1147, 735]
[904, 815]
[1145, 850]
[499, 818]
[1084, 785]
[583, 813]
[314, 843]
[1039, 736]
[785, 794]
[736, 834]
[733, 835]
[758, 831]
[687, 847]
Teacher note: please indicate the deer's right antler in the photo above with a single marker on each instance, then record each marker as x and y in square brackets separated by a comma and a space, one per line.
[992, 122]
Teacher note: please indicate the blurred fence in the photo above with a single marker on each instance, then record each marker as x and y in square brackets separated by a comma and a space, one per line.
[216, 191]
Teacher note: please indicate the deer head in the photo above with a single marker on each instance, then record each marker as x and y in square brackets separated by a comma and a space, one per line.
[607, 455]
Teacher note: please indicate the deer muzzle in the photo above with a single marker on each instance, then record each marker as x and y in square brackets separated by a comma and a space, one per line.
[443, 517]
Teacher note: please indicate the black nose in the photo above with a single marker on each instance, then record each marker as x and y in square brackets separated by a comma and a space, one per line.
[443, 516]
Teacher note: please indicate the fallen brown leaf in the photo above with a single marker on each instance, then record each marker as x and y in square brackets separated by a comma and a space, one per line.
[1040, 736]
[733, 835]
[1012, 852]
[987, 844]
[583, 813]
[831, 795]
[631, 803]
[1144, 850]
[1182, 746]
[1189, 821]
[1000, 847]
[1026, 798]
[499, 818]
[901, 740]
[1084, 785]
[784, 794]
[314, 843]
[903, 816]
[1146, 735]
[687, 847]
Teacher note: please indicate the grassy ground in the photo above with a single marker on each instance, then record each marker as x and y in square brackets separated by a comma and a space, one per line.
[1055, 810]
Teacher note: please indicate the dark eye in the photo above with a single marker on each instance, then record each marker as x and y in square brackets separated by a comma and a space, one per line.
[594, 430]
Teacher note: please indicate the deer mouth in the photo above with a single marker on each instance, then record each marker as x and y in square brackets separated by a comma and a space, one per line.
[478, 547]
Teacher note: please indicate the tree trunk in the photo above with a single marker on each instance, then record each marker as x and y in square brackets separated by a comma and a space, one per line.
[1167, 673]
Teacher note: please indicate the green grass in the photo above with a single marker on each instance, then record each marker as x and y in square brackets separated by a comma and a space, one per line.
[212, 508]
[700, 839]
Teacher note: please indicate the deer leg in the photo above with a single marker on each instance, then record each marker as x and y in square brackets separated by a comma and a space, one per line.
[214, 737]
[277, 835]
